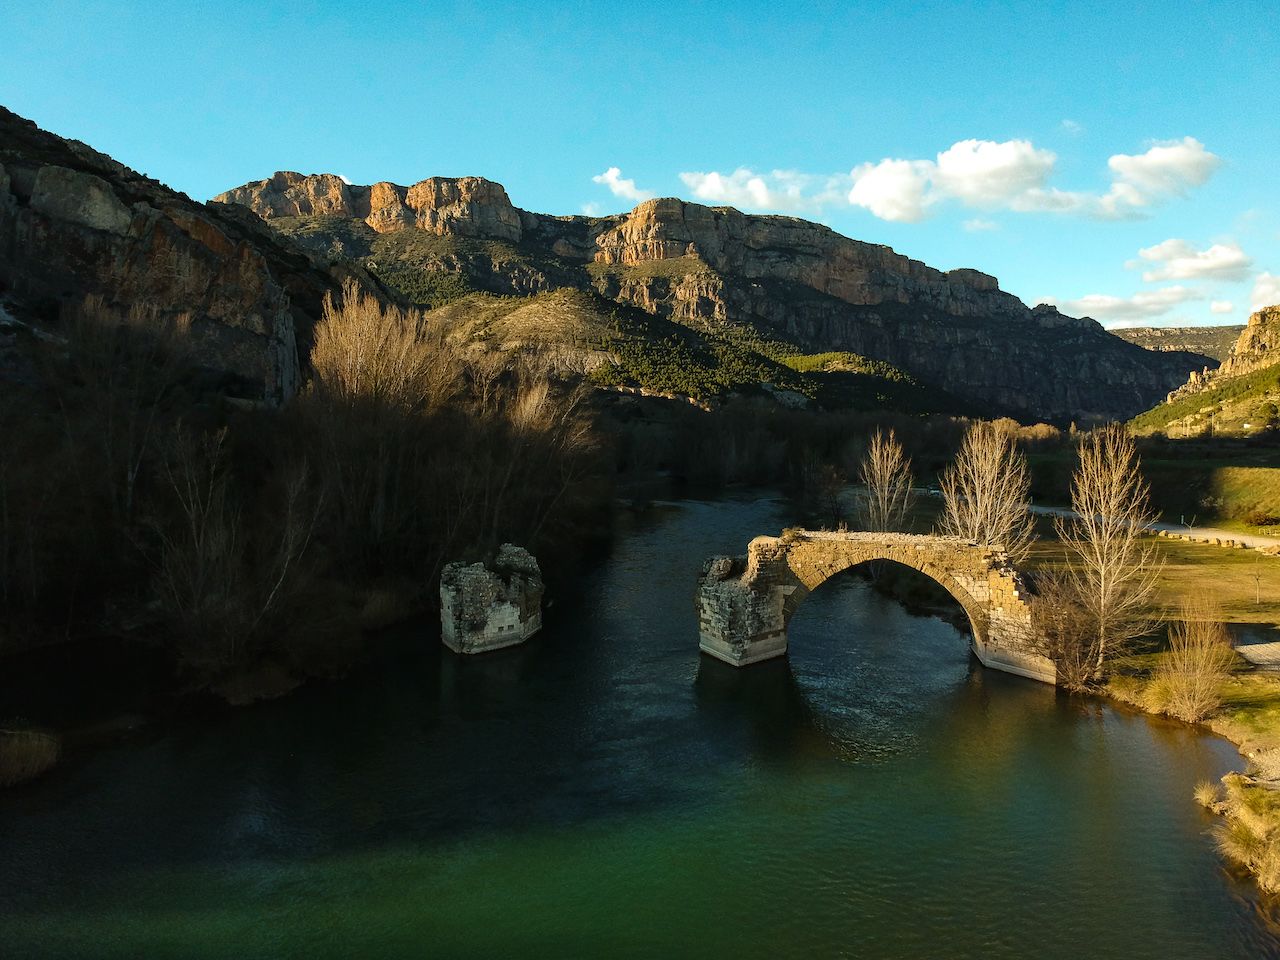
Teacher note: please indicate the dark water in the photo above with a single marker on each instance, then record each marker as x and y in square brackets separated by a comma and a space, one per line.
[604, 791]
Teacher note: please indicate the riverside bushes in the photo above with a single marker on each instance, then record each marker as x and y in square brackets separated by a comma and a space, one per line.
[1188, 680]
[1250, 833]
[243, 537]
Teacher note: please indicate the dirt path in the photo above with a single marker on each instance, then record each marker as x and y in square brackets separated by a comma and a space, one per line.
[1196, 533]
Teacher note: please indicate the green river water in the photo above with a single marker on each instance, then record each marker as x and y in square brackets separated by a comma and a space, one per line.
[605, 791]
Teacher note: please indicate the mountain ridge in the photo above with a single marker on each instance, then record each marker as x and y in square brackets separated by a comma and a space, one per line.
[706, 266]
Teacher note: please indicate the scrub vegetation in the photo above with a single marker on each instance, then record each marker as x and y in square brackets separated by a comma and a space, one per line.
[245, 541]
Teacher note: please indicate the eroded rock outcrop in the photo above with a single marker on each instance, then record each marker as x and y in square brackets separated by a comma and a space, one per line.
[1257, 347]
[1259, 343]
[74, 222]
[487, 606]
[461, 206]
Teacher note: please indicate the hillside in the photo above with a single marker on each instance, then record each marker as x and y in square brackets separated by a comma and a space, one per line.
[1240, 398]
[75, 223]
[1214, 342]
[618, 346]
[717, 271]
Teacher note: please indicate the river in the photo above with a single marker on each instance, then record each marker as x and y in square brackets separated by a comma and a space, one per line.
[605, 791]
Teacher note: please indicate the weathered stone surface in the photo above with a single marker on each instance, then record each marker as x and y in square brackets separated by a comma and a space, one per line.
[1257, 347]
[744, 604]
[79, 198]
[1259, 343]
[490, 606]
[462, 206]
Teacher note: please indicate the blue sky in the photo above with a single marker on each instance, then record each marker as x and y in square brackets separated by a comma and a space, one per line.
[1119, 159]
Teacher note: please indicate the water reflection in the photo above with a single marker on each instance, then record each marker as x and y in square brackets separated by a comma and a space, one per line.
[606, 789]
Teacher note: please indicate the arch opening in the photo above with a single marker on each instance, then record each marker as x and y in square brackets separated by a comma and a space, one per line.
[921, 591]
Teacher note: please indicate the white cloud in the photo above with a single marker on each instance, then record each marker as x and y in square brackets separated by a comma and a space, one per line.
[1013, 175]
[787, 190]
[1072, 127]
[982, 173]
[977, 225]
[592, 209]
[345, 179]
[979, 173]
[894, 189]
[1141, 306]
[1178, 260]
[620, 186]
[1169, 168]
[1221, 306]
[1266, 291]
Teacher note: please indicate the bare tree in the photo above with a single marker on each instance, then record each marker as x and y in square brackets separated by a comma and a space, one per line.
[886, 478]
[1190, 675]
[128, 363]
[1110, 566]
[383, 356]
[1064, 631]
[985, 492]
[218, 582]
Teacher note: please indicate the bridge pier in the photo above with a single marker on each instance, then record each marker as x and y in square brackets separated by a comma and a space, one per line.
[745, 603]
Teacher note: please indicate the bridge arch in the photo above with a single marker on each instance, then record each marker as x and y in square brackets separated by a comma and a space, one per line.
[745, 603]
[973, 610]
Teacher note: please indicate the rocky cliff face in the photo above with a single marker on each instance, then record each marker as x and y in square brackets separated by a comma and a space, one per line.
[74, 222]
[1259, 343]
[1215, 341]
[462, 206]
[786, 277]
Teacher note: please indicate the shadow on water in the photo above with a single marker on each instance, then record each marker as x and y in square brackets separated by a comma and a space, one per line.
[614, 791]
[761, 711]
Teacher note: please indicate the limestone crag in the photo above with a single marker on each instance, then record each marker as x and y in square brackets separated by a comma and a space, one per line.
[1214, 341]
[786, 277]
[1259, 343]
[462, 206]
[1257, 347]
[790, 250]
[74, 222]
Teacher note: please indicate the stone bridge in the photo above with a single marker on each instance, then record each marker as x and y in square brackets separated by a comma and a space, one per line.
[745, 603]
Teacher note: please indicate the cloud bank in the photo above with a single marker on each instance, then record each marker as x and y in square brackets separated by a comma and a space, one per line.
[1114, 311]
[1178, 260]
[980, 175]
[789, 191]
[1014, 175]
[1266, 291]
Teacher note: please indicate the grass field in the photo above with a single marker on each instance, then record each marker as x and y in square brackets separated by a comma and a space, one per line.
[1214, 486]
[1243, 584]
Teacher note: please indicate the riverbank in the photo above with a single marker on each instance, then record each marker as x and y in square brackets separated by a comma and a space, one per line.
[1245, 590]
[1249, 802]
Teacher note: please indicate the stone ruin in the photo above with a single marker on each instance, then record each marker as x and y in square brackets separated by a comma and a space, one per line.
[489, 606]
[745, 603]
